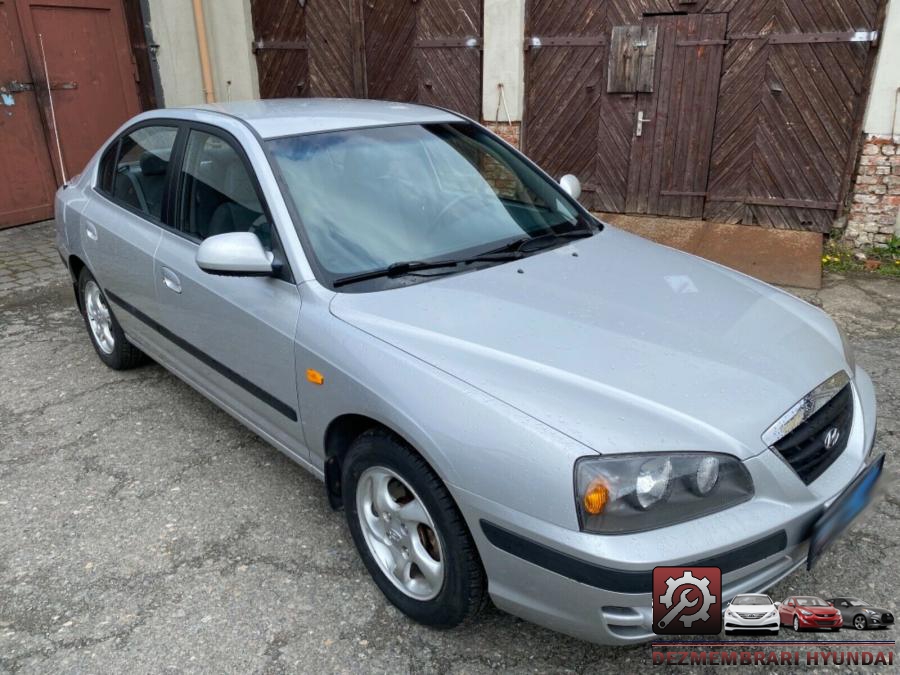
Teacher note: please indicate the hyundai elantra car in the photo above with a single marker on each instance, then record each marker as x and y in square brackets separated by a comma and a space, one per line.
[751, 612]
[506, 397]
[809, 613]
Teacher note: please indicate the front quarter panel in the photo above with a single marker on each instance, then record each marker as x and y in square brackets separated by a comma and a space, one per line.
[473, 441]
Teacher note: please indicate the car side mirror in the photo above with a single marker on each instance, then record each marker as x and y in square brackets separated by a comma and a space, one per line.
[235, 254]
[571, 185]
[778, 605]
[831, 604]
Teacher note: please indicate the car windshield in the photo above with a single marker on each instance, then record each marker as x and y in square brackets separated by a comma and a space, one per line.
[375, 197]
[858, 603]
[752, 600]
[811, 602]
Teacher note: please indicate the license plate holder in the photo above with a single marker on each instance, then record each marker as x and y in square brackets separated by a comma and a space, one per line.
[844, 510]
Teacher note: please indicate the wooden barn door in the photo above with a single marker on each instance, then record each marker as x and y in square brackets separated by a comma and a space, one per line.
[674, 124]
[84, 46]
[26, 172]
[427, 51]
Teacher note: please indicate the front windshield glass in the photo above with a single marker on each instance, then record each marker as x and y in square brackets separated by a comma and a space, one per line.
[370, 198]
[811, 602]
[752, 600]
[858, 603]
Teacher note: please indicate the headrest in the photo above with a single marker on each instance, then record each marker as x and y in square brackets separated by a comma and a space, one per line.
[239, 187]
[153, 165]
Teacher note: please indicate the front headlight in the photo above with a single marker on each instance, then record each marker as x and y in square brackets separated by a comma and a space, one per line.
[849, 354]
[634, 493]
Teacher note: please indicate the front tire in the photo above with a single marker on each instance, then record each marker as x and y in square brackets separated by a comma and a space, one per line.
[860, 622]
[106, 334]
[409, 533]
[796, 624]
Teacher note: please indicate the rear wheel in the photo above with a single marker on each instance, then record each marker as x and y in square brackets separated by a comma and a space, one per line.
[106, 334]
[409, 533]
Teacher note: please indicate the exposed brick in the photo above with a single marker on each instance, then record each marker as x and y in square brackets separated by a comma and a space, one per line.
[875, 201]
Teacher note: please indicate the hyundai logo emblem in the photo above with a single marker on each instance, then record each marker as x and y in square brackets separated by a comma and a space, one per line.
[832, 438]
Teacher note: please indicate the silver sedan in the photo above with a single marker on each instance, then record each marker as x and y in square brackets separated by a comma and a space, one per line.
[507, 397]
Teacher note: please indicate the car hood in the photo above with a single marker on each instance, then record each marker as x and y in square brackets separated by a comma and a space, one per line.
[753, 609]
[622, 344]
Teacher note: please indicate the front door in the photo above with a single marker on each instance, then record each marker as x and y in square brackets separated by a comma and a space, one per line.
[232, 334]
[674, 125]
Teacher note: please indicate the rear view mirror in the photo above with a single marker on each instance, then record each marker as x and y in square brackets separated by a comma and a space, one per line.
[571, 185]
[237, 254]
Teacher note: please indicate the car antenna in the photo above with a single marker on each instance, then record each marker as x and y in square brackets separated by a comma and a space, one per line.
[62, 166]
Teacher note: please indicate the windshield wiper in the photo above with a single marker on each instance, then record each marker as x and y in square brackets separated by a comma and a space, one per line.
[543, 241]
[400, 269]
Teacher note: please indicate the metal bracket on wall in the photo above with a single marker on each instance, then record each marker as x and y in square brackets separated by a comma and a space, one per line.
[436, 43]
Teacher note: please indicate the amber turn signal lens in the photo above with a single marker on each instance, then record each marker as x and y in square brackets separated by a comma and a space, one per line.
[596, 497]
[315, 376]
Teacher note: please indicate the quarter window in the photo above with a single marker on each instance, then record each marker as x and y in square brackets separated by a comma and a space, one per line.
[217, 192]
[139, 180]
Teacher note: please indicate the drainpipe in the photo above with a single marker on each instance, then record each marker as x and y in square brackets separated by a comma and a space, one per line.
[203, 46]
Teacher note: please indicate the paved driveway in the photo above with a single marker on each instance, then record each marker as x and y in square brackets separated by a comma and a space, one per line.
[142, 530]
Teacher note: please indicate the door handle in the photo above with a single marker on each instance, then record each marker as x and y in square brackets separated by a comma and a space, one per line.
[641, 121]
[171, 280]
[91, 231]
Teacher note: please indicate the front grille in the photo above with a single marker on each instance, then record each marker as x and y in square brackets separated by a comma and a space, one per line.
[887, 617]
[804, 448]
[750, 616]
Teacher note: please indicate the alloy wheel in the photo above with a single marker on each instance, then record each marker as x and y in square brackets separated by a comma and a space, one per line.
[98, 317]
[796, 624]
[859, 623]
[400, 533]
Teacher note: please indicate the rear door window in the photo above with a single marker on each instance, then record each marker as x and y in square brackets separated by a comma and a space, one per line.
[139, 180]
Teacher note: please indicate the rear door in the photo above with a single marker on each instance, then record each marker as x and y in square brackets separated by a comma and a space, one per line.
[122, 225]
[234, 335]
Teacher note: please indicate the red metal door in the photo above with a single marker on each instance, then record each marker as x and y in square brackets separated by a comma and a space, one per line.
[674, 125]
[91, 70]
[26, 174]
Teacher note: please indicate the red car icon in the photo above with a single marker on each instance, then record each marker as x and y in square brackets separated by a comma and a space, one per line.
[809, 613]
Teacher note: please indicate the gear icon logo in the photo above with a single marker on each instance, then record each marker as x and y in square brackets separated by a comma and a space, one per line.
[687, 600]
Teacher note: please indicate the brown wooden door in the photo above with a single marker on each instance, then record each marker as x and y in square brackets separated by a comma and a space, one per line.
[87, 54]
[88, 57]
[26, 173]
[670, 151]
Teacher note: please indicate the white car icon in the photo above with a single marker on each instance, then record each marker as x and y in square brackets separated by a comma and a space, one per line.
[751, 612]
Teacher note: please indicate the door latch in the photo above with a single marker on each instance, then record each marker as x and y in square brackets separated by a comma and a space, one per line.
[641, 121]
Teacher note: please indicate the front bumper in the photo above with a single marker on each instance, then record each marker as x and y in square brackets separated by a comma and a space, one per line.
[597, 588]
[820, 622]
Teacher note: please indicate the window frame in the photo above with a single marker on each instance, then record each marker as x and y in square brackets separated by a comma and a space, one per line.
[174, 192]
[164, 219]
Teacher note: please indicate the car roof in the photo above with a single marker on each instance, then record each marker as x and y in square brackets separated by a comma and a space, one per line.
[272, 118]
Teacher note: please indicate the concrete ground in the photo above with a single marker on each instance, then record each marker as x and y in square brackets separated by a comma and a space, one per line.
[143, 530]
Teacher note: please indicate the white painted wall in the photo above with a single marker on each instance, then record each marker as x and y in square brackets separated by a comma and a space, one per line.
[504, 59]
[229, 32]
[884, 97]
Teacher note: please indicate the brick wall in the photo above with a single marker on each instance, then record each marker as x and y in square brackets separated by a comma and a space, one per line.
[873, 217]
[508, 132]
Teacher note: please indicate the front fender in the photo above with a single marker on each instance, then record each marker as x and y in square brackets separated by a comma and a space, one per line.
[472, 440]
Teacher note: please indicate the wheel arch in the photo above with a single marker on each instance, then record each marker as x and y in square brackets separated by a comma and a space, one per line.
[76, 264]
[339, 436]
